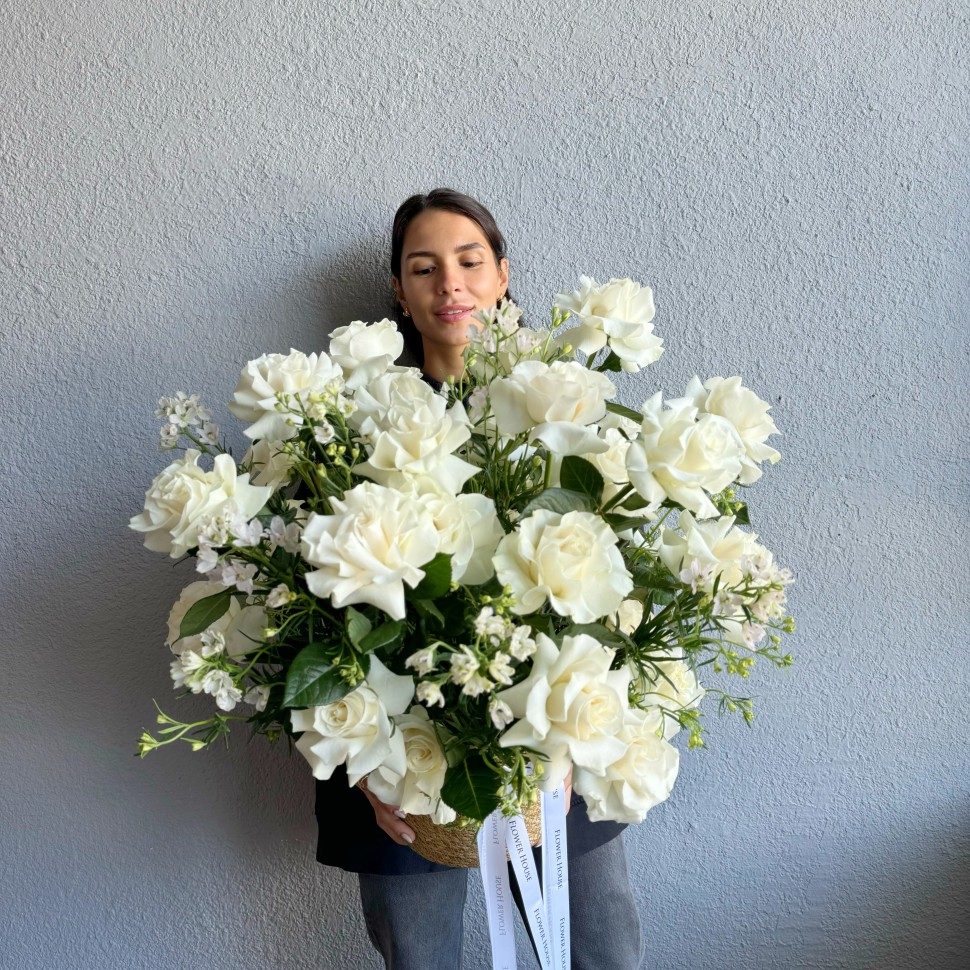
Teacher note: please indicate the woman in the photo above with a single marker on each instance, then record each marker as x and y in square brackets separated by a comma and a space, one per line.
[448, 260]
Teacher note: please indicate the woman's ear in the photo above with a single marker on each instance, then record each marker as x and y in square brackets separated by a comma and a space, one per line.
[398, 292]
[503, 276]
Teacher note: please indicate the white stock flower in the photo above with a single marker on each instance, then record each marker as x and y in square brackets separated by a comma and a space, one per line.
[572, 707]
[416, 789]
[257, 696]
[422, 661]
[279, 596]
[469, 531]
[713, 543]
[429, 693]
[681, 457]
[357, 730]
[365, 350]
[571, 560]
[638, 780]
[500, 713]
[376, 541]
[556, 404]
[728, 398]
[238, 574]
[618, 313]
[294, 377]
[183, 495]
[271, 466]
[283, 535]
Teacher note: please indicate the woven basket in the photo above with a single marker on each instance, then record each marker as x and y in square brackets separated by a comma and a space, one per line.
[457, 846]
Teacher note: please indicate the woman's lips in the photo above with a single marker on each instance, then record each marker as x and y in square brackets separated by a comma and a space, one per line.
[451, 314]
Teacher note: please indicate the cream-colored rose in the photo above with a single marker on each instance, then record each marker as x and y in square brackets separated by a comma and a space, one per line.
[470, 532]
[618, 313]
[555, 403]
[418, 789]
[271, 465]
[376, 541]
[714, 543]
[572, 707]
[629, 616]
[671, 685]
[729, 399]
[682, 457]
[412, 447]
[642, 777]
[295, 376]
[183, 495]
[365, 350]
[396, 390]
[357, 730]
[571, 561]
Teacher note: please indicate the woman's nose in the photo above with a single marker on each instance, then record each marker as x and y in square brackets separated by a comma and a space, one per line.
[448, 280]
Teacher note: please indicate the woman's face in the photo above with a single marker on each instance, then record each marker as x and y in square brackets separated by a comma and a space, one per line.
[448, 271]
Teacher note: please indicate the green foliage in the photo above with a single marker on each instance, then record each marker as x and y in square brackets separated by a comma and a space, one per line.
[471, 788]
[437, 578]
[579, 475]
[561, 500]
[201, 615]
[313, 680]
[383, 637]
[358, 626]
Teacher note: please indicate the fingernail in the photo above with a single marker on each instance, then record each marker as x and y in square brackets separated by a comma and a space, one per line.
[400, 813]
[408, 838]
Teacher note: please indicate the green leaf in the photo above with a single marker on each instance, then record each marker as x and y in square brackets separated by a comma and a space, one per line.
[201, 615]
[624, 411]
[561, 500]
[471, 788]
[610, 363]
[580, 475]
[437, 578]
[606, 636]
[383, 636]
[312, 680]
[358, 626]
[620, 523]
[740, 512]
[427, 608]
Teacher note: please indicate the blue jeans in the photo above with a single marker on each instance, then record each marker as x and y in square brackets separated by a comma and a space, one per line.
[604, 923]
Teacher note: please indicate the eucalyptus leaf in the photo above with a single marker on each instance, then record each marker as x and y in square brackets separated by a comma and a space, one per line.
[382, 637]
[437, 578]
[312, 680]
[580, 475]
[358, 626]
[561, 500]
[201, 615]
[471, 788]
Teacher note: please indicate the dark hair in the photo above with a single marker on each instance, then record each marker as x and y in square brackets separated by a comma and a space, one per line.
[447, 200]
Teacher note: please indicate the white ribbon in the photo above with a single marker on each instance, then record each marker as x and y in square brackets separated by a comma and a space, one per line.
[547, 907]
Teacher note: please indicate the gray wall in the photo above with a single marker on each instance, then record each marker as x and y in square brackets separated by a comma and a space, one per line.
[186, 185]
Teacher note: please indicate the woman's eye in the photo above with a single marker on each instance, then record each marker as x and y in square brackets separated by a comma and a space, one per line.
[424, 271]
[471, 265]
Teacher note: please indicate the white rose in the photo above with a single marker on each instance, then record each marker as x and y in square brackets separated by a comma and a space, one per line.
[365, 350]
[714, 543]
[376, 541]
[618, 313]
[572, 707]
[556, 403]
[413, 447]
[572, 560]
[637, 781]
[672, 686]
[469, 531]
[629, 616]
[417, 790]
[727, 398]
[396, 390]
[271, 465]
[357, 730]
[183, 495]
[681, 457]
[294, 375]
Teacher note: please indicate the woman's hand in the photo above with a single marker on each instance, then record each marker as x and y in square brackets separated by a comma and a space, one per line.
[388, 817]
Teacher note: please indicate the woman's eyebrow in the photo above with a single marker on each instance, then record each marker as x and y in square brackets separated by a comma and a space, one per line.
[458, 249]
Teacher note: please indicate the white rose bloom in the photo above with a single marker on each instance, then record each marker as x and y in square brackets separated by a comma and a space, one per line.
[672, 686]
[469, 531]
[618, 313]
[629, 616]
[396, 390]
[572, 707]
[270, 465]
[365, 350]
[357, 730]
[412, 447]
[293, 375]
[637, 781]
[416, 789]
[376, 541]
[727, 398]
[681, 457]
[183, 495]
[555, 403]
[713, 543]
[571, 560]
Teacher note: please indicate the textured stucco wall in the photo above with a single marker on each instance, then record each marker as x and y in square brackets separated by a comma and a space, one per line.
[185, 185]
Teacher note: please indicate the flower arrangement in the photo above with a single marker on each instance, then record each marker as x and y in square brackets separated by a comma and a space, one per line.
[461, 594]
